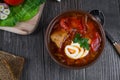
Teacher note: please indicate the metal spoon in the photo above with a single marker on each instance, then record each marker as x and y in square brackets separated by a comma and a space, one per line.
[58, 0]
[100, 17]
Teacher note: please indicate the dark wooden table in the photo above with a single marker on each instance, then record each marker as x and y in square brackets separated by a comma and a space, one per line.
[39, 65]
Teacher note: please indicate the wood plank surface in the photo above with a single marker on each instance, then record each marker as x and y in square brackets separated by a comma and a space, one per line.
[38, 63]
[108, 66]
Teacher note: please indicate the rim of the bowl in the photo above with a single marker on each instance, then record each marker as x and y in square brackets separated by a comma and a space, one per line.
[48, 31]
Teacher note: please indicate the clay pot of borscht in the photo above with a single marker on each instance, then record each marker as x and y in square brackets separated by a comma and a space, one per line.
[75, 39]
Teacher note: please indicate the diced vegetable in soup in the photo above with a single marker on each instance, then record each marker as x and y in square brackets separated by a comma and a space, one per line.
[75, 39]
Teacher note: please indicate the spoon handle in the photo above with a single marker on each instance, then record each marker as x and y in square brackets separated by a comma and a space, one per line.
[58, 0]
[117, 46]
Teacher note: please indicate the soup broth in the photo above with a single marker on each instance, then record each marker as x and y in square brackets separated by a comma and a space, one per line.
[75, 39]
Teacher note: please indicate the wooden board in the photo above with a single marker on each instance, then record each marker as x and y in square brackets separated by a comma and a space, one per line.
[39, 65]
[25, 28]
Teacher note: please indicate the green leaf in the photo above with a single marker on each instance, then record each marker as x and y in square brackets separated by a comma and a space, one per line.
[23, 12]
[77, 37]
[82, 41]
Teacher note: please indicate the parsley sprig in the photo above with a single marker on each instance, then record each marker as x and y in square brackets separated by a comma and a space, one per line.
[82, 41]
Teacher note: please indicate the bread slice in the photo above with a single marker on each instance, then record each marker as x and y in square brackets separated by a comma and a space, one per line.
[15, 63]
[5, 71]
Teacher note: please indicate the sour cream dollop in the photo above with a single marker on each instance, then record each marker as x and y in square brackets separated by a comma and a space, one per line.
[74, 51]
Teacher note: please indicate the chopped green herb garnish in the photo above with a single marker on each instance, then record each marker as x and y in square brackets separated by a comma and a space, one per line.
[82, 41]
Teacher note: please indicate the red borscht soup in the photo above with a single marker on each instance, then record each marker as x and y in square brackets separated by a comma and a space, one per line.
[75, 39]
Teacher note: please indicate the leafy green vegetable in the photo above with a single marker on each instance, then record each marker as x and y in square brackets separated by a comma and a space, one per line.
[23, 12]
[82, 41]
